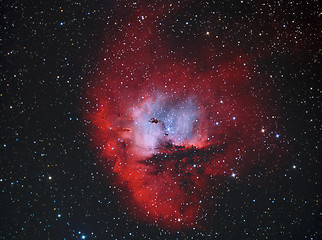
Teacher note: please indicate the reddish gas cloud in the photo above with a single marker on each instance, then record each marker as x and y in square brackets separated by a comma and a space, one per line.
[168, 125]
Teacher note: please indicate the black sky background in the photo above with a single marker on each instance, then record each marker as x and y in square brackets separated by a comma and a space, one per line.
[52, 184]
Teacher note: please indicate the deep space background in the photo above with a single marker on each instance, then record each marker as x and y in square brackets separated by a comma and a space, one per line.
[52, 183]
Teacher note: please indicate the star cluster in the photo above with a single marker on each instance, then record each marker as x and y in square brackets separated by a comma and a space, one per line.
[217, 102]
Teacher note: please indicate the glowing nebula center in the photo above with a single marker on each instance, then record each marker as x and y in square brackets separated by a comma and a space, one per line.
[158, 122]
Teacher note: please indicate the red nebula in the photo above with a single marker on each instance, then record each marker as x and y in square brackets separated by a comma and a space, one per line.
[168, 125]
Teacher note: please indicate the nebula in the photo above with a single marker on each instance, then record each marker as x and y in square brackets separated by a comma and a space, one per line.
[167, 124]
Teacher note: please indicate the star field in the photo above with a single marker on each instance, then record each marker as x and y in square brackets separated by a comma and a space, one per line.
[231, 90]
